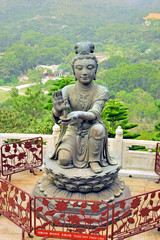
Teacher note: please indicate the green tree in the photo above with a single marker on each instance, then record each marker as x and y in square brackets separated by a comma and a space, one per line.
[112, 62]
[1, 81]
[31, 103]
[157, 128]
[66, 67]
[30, 107]
[31, 38]
[57, 85]
[140, 103]
[115, 114]
[127, 77]
[50, 56]
[16, 61]
[35, 75]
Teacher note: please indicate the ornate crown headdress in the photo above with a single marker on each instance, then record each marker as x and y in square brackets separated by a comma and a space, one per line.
[84, 50]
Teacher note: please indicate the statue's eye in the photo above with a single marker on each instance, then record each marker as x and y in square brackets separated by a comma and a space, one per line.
[90, 67]
[79, 68]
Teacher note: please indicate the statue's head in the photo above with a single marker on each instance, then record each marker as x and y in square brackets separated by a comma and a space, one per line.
[84, 54]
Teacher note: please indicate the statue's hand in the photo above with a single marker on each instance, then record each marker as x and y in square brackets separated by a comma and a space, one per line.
[59, 103]
[75, 115]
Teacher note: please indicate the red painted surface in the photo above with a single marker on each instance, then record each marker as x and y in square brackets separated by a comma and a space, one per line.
[157, 160]
[80, 219]
[135, 215]
[15, 204]
[77, 219]
[20, 156]
[72, 218]
[56, 234]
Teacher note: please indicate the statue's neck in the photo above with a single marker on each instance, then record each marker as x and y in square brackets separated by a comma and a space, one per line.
[85, 88]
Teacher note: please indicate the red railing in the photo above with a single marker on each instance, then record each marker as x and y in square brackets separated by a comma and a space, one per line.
[15, 204]
[80, 219]
[135, 215]
[70, 218]
[157, 160]
[20, 156]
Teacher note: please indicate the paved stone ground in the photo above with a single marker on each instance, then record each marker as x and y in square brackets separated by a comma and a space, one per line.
[27, 181]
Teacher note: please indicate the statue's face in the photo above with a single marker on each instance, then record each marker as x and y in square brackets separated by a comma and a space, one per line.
[85, 70]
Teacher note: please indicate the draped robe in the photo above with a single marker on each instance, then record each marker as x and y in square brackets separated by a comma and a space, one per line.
[76, 138]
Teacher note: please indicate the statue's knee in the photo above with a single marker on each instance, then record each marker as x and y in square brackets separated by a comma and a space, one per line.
[97, 131]
[64, 157]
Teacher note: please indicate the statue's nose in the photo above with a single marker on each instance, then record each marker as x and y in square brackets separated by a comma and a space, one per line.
[84, 71]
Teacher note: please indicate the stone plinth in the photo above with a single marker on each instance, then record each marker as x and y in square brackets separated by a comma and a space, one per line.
[82, 183]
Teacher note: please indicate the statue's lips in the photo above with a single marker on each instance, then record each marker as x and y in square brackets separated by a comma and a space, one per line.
[84, 78]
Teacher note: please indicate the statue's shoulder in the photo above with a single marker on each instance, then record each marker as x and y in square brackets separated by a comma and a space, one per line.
[67, 89]
[101, 88]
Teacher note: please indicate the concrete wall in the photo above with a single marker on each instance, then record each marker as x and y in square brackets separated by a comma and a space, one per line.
[134, 163]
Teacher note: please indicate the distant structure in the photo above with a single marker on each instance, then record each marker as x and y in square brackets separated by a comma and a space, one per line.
[48, 75]
[52, 67]
[152, 18]
[101, 58]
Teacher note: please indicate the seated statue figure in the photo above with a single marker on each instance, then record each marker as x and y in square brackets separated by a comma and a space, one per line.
[83, 141]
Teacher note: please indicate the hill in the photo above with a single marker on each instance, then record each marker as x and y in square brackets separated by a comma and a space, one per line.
[149, 4]
[71, 18]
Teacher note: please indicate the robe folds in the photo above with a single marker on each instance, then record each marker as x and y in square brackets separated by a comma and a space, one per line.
[75, 138]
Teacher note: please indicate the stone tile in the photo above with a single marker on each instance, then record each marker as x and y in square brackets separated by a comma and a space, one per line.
[27, 181]
[137, 237]
[151, 185]
[136, 186]
[152, 235]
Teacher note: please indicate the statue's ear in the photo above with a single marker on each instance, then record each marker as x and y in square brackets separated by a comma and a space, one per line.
[96, 68]
[96, 71]
[74, 75]
[73, 71]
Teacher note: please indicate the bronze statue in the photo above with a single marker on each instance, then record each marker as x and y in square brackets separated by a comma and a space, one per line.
[83, 141]
[80, 166]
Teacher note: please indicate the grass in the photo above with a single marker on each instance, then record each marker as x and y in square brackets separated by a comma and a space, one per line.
[4, 95]
[22, 90]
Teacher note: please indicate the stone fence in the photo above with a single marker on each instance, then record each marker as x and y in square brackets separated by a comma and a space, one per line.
[134, 163]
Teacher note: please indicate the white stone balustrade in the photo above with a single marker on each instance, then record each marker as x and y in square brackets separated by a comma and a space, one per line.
[134, 163]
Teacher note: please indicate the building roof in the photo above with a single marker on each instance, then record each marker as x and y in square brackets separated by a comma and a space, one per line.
[153, 16]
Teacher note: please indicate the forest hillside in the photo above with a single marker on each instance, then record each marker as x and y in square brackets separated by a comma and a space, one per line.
[40, 32]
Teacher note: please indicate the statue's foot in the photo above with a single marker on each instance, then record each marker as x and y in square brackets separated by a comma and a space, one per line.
[112, 161]
[104, 163]
[66, 166]
[51, 155]
[95, 167]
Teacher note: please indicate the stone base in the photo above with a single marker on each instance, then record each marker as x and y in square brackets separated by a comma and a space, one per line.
[82, 184]
[47, 188]
[82, 180]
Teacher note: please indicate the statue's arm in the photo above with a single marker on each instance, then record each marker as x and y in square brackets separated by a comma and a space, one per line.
[82, 115]
[90, 115]
[60, 104]
[56, 116]
[95, 110]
